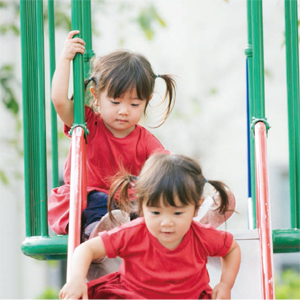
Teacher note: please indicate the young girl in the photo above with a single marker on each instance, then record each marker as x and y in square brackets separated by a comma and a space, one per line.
[165, 251]
[122, 85]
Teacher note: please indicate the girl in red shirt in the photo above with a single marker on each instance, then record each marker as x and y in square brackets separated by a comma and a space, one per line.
[165, 251]
[121, 85]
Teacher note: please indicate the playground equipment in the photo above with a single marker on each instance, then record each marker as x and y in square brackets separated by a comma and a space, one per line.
[40, 245]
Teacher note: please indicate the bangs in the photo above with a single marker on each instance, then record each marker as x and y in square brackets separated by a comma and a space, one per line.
[170, 186]
[126, 78]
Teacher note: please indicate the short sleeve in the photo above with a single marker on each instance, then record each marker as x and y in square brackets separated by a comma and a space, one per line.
[216, 243]
[153, 145]
[111, 252]
[221, 242]
[119, 241]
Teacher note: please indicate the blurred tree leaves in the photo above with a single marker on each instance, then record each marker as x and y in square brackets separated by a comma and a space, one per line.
[11, 26]
[288, 287]
[147, 18]
[50, 293]
[7, 77]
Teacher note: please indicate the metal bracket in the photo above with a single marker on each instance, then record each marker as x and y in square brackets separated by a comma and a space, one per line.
[85, 129]
[255, 120]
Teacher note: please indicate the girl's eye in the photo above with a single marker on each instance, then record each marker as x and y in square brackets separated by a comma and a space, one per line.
[155, 212]
[178, 213]
[135, 104]
[114, 102]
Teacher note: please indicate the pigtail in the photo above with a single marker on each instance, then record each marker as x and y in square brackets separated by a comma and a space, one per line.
[86, 82]
[222, 189]
[170, 94]
[119, 194]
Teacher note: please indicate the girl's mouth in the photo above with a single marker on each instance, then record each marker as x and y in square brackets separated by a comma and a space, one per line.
[166, 233]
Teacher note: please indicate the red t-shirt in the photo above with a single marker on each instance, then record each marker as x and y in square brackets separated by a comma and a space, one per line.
[151, 271]
[106, 155]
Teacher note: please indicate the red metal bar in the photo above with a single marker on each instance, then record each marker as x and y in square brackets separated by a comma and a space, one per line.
[78, 197]
[263, 210]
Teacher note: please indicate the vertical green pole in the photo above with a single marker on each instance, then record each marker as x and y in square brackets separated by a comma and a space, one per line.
[55, 177]
[42, 119]
[30, 122]
[258, 59]
[292, 71]
[251, 106]
[78, 72]
[87, 35]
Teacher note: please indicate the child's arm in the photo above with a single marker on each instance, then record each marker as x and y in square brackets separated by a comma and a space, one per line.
[83, 255]
[230, 268]
[60, 82]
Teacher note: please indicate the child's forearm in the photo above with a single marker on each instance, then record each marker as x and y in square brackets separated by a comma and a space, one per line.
[81, 260]
[230, 268]
[84, 254]
[60, 82]
[231, 265]
[60, 86]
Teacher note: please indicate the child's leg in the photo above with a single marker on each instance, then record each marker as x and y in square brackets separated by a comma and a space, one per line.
[95, 210]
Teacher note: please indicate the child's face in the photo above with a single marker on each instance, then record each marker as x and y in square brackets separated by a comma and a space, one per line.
[169, 224]
[121, 115]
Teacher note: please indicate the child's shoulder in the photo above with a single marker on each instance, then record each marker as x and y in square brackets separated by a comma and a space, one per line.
[134, 225]
[209, 233]
[197, 226]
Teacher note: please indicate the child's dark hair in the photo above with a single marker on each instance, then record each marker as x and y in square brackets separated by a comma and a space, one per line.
[122, 71]
[163, 177]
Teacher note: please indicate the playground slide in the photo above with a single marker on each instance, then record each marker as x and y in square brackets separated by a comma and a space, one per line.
[255, 278]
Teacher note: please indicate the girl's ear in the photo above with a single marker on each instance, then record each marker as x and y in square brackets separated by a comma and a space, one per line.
[93, 92]
[198, 205]
[150, 97]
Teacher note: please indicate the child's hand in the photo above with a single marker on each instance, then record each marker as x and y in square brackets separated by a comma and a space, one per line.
[221, 291]
[74, 289]
[72, 46]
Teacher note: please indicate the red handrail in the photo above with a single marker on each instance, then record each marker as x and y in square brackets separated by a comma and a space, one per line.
[77, 192]
[263, 210]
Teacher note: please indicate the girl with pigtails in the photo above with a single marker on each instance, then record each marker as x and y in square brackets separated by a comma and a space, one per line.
[122, 85]
[165, 250]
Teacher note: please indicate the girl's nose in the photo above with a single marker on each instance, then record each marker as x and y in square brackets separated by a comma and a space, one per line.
[166, 222]
[123, 110]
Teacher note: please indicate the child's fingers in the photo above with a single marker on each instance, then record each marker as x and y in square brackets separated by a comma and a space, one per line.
[74, 47]
[72, 34]
[78, 40]
[85, 295]
[61, 294]
[79, 49]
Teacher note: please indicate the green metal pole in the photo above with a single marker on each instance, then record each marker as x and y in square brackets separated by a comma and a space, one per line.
[55, 174]
[87, 35]
[78, 71]
[42, 118]
[258, 59]
[30, 122]
[249, 54]
[292, 72]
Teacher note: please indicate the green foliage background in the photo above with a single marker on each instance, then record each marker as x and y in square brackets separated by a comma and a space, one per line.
[288, 285]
